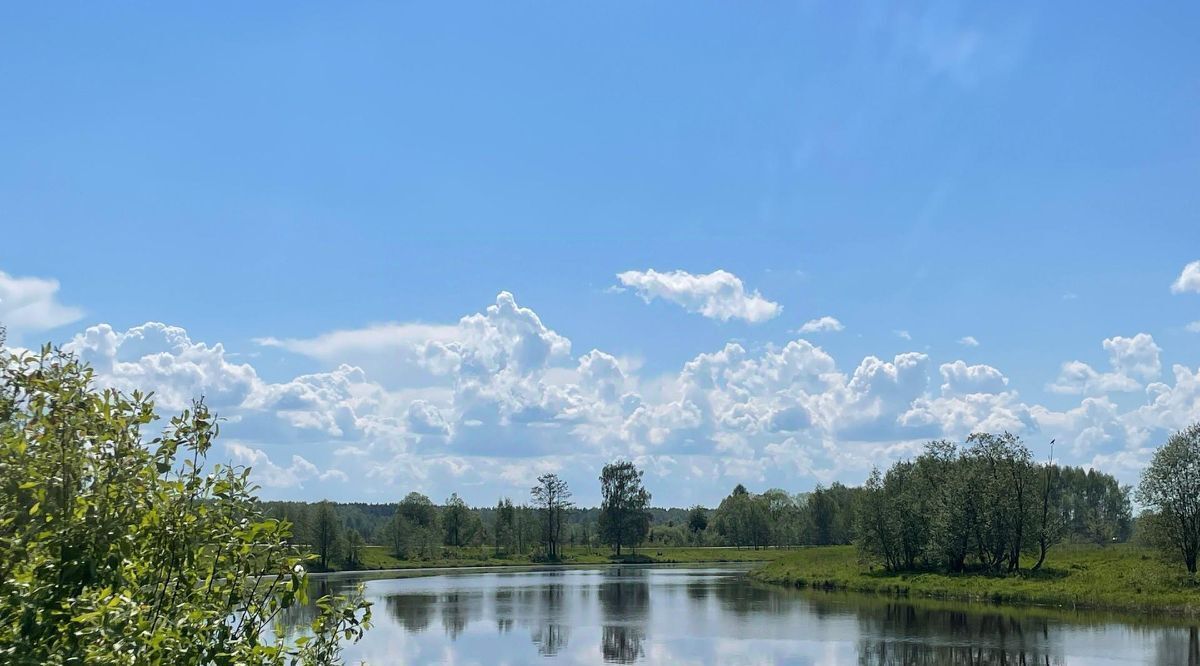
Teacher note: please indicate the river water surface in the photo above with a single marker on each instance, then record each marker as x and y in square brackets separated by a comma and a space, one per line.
[717, 615]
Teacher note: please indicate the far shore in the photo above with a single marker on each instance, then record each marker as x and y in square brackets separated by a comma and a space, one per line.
[376, 559]
[746, 565]
[1122, 577]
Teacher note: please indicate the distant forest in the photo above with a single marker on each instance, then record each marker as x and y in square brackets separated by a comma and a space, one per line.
[1086, 506]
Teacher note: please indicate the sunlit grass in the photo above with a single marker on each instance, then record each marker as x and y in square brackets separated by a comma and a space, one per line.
[1122, 577]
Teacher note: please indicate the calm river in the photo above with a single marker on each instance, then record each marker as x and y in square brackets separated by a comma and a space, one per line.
[716, 615]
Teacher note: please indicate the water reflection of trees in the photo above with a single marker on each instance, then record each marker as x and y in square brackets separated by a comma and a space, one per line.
[1178, 647]
[539, 608]
[550, 635]
[744, 599]
[551, 638]
[889, 631]
[456, 612]
[698, 590]
[621, 643]
[624, 605]
[414, 612]
[902, 633]
[298, 619]
[502, 600]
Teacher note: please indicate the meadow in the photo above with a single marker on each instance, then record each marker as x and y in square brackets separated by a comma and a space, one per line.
[1122, 577]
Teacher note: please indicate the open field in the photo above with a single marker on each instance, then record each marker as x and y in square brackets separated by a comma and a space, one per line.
[1122, 577]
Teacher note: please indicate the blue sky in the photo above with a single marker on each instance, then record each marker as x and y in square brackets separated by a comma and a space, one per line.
[263, 177]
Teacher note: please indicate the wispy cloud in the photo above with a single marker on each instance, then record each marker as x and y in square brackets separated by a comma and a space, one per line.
[30, 304]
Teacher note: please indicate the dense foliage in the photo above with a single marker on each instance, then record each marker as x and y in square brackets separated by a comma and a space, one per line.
[775, 518]
[984, 505]
[114, 550]
[624, 515]
[1171, 489]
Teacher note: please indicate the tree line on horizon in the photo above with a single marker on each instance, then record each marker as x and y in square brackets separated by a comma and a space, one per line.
[999, 501]
[417, 529]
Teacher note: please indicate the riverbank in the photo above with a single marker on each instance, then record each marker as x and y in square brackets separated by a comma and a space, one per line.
[375, 558]
[1123, 577]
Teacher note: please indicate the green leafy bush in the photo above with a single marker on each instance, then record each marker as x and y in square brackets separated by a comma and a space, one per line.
[118, 551]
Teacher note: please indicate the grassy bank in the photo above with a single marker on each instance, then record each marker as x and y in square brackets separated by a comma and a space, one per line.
[377, 557]
[1122, 577]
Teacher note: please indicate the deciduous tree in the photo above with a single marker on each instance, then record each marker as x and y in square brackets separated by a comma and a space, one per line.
[326, 534]
[1171, 488]
[624, 515]
[455, 519]
[552, 498]
[119, 550]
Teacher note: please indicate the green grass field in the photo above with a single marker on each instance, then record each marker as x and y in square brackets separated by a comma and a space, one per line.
[1122, 577]
[377, 557]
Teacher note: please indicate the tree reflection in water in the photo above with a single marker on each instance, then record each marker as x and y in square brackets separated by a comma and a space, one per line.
[296, 620]
[903, 633]
[551, 639]
[502, 601]
[541, 609]
[455, 613]
[703, 617]
[1178, 649]
[747, 599]
[414, 612]
[624, 605]
[551, 635]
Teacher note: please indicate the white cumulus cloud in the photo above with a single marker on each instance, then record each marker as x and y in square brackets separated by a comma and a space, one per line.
[501, 395]
[1188, 280]
[161, 358]
[822, 325]
[1136, 357]
[962, 378]
[1134, 360]
[717, 295]
[277, 476]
